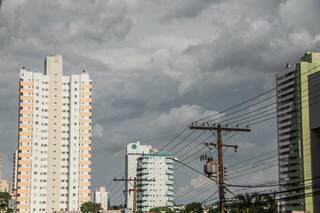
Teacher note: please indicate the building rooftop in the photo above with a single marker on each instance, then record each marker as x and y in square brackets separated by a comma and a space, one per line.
[311, 57]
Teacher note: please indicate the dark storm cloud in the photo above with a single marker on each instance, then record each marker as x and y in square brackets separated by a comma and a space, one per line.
[30, 30]
[250, 46]
[186, 8]
[152, 77]
[59, 23]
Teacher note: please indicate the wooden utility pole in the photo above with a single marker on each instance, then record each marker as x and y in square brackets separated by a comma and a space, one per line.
[135, 188]
[219, 145]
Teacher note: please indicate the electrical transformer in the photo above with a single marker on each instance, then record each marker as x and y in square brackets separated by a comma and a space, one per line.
[211, 168]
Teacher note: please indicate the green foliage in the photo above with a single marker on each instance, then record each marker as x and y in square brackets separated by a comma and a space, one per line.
[4, 202]
[193, 208]
[255, 203]
[89, 207]
[211, 210]
[161, 209]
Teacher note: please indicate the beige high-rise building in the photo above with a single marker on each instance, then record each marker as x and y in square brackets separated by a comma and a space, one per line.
[53, 158]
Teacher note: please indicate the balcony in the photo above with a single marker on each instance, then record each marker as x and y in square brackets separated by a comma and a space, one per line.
[169, 193]
[169, 172]
[169, 161]
[169, 182]
[169, 203]
[144, 188]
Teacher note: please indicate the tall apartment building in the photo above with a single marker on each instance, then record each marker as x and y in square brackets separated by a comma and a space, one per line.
[133, 152]
[298, 104]
[155, 181]
[53, 160]
[101, 196]
[14, 174]
[289, 139]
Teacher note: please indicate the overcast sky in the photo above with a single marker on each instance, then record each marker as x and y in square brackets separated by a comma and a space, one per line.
[156, 64]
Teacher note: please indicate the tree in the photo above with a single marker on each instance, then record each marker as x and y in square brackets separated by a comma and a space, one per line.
[4, 202]
[89, 207]
[265, 203]
[255, 203]
[193, 208]
[245, 203]
[161, 209]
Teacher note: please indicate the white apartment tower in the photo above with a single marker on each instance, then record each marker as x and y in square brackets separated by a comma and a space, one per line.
[155, 181]
[53, 158]
[133, 152]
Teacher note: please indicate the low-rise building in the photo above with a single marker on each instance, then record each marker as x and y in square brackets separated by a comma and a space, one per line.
[101, 196]
[4, 186]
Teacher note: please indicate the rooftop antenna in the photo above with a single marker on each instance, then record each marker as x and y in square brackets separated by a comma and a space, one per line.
[288, 65]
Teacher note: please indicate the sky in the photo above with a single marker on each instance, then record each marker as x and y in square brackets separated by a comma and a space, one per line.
[156, 65]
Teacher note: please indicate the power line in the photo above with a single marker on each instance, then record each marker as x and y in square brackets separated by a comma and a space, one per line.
[229, 114]
[174, 138]
[201, 150]
[260, 121]
[192, 141]
[185, 195]
[268, 165]
[235, 106]
[255, 97]
[265, 118]
[265, 166]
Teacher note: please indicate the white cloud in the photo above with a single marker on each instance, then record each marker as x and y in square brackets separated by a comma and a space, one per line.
[173, 43]
[301, 15]
[62, 24]
[179, 117]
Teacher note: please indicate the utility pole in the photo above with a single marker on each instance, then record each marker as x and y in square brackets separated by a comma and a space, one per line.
[219, 145]
[135, 188]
